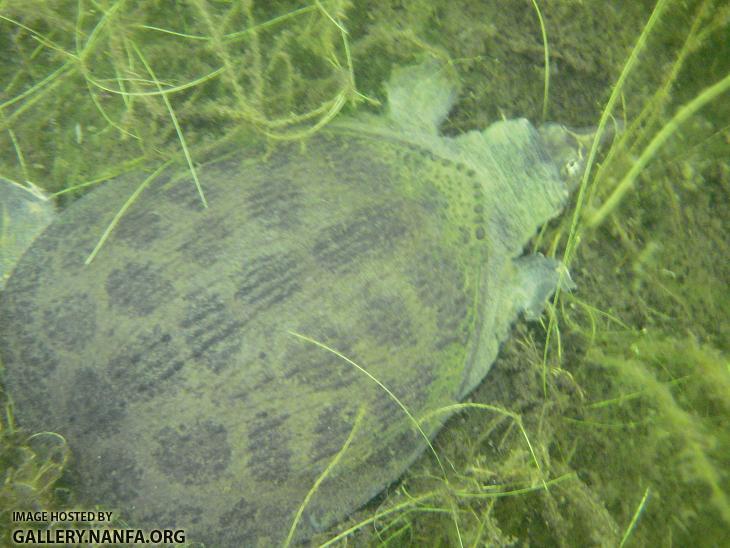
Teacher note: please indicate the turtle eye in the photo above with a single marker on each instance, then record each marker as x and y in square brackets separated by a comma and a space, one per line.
[571, 169]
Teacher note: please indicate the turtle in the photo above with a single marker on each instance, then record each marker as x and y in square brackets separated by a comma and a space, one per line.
[272, 361]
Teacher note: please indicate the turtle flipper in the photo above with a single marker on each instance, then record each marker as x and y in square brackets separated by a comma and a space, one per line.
[24, 213]
[536, 279]
[420, 96]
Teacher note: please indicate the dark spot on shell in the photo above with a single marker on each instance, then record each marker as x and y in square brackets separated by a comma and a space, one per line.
[94, 406]
[30, 269]
[264, 379]
[419, 385]
[262, 374]
[464, 235]
[269, 280]
[138, 289]
[184, 193]
[387, 319]
[440, 287]
[46, 244]
[75, 228]
[27, 376]
[193, 454]
[433, 202]
[179, 515]
[16, 306]
[283, 511]
[479, 208]
[38, 356]
[212, 333]
[147, 367]
[138, 228]
[386, 411]
[370, 231]
[310, 365]
[480, 233]
[210, 238]
[70, 321]
[276, 203]
[72, 258]
[114, 476]
[268, 445]
[347, 160]
[334, 424]
[236, 527]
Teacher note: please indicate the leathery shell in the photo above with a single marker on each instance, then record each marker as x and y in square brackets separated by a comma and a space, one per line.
[197, 366]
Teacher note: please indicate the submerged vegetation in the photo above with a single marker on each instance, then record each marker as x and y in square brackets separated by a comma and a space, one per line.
[604, 425]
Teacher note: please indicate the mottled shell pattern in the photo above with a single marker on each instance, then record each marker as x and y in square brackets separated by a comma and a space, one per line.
[200, 367]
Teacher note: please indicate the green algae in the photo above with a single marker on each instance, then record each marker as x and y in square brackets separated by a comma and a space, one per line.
[613, 433]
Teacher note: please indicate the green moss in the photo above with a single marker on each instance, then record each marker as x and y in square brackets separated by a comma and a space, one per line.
[29, 469]
[624, 415]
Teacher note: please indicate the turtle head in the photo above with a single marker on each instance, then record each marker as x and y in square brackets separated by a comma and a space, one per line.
[569, 148]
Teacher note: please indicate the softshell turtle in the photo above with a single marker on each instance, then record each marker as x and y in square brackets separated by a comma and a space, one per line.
[198, 367]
